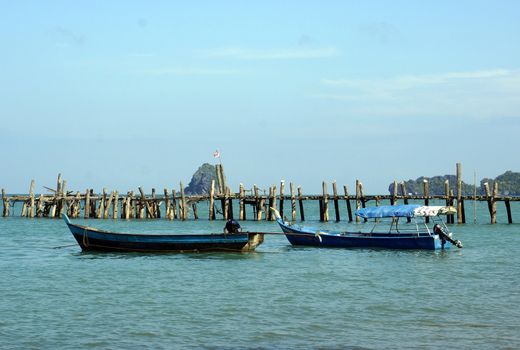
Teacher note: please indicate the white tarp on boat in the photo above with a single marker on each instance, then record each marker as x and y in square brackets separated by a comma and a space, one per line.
[434, 210]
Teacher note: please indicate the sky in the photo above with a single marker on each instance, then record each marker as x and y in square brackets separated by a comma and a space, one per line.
[121, 94]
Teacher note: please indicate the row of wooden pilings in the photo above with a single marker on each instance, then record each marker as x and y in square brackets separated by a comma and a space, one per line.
[177, 205]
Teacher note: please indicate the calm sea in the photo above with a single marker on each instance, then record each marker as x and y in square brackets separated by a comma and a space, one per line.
[53, 296]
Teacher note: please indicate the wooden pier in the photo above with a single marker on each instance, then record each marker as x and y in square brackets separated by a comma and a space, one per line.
[176, 205]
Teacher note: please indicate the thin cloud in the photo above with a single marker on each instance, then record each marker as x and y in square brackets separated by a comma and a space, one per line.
[286, 54]
[414, 81]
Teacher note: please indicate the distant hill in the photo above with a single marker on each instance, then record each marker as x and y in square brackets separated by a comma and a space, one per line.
[508, 184]
[201, 181]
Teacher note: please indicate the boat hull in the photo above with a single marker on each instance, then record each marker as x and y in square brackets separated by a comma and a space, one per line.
[299, 237]
[90, 239]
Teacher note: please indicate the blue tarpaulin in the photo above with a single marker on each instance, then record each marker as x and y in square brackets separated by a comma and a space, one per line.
[388, 211]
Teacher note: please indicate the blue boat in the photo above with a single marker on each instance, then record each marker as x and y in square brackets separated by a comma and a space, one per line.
[92, 239]
[414, 235]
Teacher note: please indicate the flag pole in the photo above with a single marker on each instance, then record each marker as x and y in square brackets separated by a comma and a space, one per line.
[216, 154]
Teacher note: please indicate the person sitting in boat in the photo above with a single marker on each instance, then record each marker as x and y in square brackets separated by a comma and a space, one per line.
[232, 226]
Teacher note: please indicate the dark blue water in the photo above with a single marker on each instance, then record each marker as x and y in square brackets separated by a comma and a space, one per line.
[277, 297]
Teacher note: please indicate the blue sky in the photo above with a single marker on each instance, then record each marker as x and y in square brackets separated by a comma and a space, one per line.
[121, 94]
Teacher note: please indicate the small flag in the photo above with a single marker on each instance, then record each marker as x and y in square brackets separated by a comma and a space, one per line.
[216, 154]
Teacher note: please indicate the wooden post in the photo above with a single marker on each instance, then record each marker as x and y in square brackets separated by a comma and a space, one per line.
[336, 204]
[261, 206]
[39, 206]
[447, 196]
[271, 216]
[393, 200]
[220, 182]
[24, 208]
[300, 202]
[56, 208]
[293, 202]
[282, 185]
[459, 193]
[404, 192]
[108, 205]
[241, 205]
[270, 204]
[132, 205]
[212, 200]
[154, 207]
[71, 207]
[358, 203]
[405, 197]
[325, 202]
[223, 177]
[101, 208]
[58, 184]
[494, 203]
[225, 204]
[230, 203]
[115, 210]
[452, 198]
[92, 204]
[5, 201]
[488, 198]
[362, 197]
[426, 189]
[31, 200]
[52, 212]
[167, 209]
[141, 205]
[61, 201]
[508, 209]
[77, 205]
[86, 210]
[347, 200]
[127, 206]
[257, 202]
[157, 206]
[184, 211]
[123, 206]
[174, 204]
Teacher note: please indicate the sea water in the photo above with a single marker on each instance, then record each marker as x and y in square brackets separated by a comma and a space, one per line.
[53, 296]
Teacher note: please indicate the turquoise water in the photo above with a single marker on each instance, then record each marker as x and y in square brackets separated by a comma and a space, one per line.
[277, 297]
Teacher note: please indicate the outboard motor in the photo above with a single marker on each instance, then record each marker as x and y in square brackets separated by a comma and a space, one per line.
[232, 226]
[444, 236]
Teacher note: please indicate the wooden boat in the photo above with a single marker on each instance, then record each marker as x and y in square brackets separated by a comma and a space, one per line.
[91, 239]
[414, 235]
